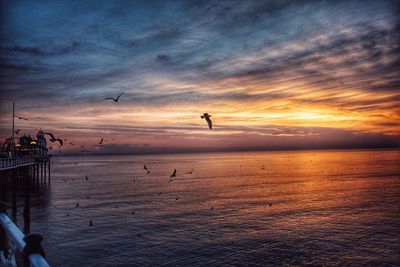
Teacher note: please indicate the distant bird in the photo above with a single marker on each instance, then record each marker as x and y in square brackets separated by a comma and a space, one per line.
[115, 99]
[77, 205]
[177, 198]
[21, 118]
[17, 131]
[190, 172]
[82, 146]
[133, 212]
[139, 235]
[71, 144]
[53, 139]
[145, 167]
[90, 223]
[212, 208]
[270, 204]
[173, 174]
[101, 141]
[170, 180]
[207, 118]
[87, 178]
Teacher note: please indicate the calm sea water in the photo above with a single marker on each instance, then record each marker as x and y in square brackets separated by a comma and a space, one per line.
[333, 208]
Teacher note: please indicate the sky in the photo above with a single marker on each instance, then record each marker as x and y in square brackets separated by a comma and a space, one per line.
[272, 74]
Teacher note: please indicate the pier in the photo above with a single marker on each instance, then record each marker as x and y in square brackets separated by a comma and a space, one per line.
[24, 170]
[19, 177]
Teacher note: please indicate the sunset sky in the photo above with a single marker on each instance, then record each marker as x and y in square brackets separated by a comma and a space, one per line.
[273, 74]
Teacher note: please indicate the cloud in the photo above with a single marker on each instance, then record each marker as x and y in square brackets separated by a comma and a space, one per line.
[249, 63]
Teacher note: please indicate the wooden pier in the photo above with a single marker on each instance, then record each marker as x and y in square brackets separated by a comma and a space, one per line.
[19, 177]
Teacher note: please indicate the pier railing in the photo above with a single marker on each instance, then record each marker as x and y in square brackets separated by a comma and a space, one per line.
[10, 163]
[17, 244]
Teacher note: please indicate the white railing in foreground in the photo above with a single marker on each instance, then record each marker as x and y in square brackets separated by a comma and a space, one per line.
[9, 163]
[17, 237]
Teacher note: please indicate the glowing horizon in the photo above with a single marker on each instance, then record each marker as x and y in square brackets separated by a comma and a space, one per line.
[271, 75]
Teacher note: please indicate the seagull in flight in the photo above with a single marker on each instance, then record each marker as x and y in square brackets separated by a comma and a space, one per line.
[173, 174]
[190, 172]
[207, 118]
[115, 99]
[17, 131]
[145, 167]
[21, 118]
[53, 139]
[101, 141]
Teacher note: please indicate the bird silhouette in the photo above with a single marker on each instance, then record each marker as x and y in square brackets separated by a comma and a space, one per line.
[53, 139]
[190, 172]
[17, 131]
[207, 118]
[90, 223]
[21, 118]
[87, 178]
[145, 167]
[173, 174]
[101, 141]
[77, 205]
[115, 99]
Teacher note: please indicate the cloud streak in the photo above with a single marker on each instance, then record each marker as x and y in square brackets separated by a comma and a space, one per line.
[256, 66]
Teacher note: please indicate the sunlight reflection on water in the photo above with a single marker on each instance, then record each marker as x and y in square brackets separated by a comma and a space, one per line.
[328, 208]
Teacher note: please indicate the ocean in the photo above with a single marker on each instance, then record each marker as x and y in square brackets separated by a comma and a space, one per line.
[287, 208]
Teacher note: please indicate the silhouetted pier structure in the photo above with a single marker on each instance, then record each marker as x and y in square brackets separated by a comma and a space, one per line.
[19, 177]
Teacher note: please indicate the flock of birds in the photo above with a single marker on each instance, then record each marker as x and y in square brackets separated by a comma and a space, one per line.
[147, 171]
[53, 139]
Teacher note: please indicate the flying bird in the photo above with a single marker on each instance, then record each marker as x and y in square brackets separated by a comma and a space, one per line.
[71, 144]
[190, 172]
[101, 141]
[145, 167]
[207, 118]
[87, 178]
[90, 223]
[53, 139]
[21, 118]
[17, 131]
[115, 99]
[173, 174]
